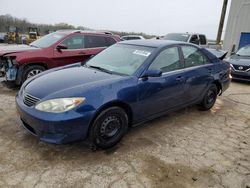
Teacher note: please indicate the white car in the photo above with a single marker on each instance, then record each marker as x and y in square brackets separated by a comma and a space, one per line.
[132, 37]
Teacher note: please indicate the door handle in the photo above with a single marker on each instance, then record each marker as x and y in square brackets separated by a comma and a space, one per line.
[82, 53]
[180, 79]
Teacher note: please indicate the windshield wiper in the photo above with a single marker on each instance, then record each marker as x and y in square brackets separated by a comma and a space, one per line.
[99, 68]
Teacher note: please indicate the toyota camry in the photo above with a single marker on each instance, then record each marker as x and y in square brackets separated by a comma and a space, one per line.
[125, 85]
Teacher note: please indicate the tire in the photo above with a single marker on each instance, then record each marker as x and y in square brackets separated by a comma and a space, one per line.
[209, 98]
[32, 70]
[109, 127]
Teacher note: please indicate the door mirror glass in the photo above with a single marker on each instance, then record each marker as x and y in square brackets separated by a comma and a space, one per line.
[60, 47]
[152, 73]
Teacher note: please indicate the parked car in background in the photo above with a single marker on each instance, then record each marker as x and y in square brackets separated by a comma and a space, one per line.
[2, 37]
[132, 37]
[19, 62]
[127, 84]
[240, 63]
[195, 38]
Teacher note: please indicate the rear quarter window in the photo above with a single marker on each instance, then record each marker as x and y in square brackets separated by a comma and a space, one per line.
[110, 41]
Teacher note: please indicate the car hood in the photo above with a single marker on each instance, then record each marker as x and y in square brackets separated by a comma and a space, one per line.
[67, 79]
[239, 60]
[8, 49]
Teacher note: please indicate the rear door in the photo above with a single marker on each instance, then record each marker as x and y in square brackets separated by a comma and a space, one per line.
[158, 94]
[198, 72]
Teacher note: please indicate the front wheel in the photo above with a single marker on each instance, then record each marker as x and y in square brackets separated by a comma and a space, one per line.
[31, 71]
[109, 127]
[209, 98]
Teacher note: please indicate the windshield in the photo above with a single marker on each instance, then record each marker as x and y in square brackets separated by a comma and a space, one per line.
[244, 51]
[177, 37]
[121, 58]
[47, 40]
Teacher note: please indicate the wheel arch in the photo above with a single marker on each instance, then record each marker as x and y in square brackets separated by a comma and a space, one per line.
[41, 63]
[126, 107]
[218, 85]
[21, 70]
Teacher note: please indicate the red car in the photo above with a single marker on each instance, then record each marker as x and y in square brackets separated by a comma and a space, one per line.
[19, 62]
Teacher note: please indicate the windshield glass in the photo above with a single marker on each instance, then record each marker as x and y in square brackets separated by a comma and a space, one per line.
[177, 37]
[244, 51]
[47, 40]
[121, 58]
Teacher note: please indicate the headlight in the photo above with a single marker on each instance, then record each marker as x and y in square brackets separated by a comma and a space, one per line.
[59, 105]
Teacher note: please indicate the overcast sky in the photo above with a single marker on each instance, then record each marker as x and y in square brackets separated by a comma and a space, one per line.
[157, 17]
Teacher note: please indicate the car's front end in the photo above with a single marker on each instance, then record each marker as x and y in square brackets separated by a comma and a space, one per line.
[59, 109]
[240, 64]
[240, 72]
[52, 127]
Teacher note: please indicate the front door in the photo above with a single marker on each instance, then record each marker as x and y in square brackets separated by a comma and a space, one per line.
[158, 94]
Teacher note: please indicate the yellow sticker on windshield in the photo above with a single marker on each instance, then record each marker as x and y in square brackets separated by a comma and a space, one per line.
[141, 52]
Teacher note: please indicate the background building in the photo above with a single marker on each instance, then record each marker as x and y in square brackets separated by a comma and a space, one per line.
[238, 25]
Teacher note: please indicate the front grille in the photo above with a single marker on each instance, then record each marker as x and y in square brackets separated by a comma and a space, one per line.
[245, 77]
[241, 68]
[30, 100]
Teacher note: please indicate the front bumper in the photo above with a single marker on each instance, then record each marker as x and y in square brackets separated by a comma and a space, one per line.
[240, 75]
[54, 128]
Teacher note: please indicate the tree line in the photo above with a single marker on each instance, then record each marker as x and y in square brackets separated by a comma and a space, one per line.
[23, 26]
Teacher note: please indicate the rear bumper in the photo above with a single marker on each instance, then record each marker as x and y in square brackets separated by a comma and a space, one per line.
[54, 128]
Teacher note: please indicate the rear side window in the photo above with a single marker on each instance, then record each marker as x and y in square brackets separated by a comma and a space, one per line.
[74, 42]
[193, 57]
[95, 41]
[203, 40]
[167, 60]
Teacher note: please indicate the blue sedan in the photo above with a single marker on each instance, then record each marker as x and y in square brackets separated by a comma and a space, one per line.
[125, 85]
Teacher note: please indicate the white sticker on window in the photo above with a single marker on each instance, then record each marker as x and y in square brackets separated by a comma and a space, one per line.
[184, 35]
[141, 52]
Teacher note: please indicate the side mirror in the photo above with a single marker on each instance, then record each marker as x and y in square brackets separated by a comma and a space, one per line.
[61, 47]
[152, 73]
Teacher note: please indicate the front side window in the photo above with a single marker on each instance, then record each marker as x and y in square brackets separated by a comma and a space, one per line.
[193, 57]
[168, 60]
[194, 39]
[110, 41]
[121, 58]
[74, 42]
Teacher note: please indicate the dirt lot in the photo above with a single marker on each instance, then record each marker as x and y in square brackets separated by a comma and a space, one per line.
[186, 149]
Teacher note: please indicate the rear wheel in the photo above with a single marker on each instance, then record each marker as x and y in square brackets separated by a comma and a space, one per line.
[209, 98]
[109, 127]
[32, 70]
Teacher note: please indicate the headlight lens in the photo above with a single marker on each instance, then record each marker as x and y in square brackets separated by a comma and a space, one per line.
[59, 105]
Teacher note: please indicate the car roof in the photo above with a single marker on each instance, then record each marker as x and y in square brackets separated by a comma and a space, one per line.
[69, 31]
[153, 43]
[188, 33]
[132, 36]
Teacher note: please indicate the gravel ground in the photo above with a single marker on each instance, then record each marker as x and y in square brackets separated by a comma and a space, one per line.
[185, 149]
